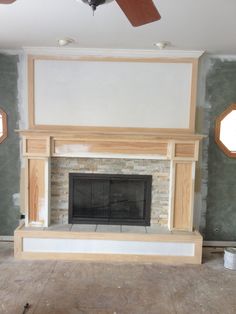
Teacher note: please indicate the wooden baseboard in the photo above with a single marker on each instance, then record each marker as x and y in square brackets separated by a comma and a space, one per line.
[219, 243]
[6, 238]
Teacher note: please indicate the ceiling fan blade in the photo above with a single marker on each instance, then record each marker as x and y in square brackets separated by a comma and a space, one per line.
[7, 1]
[139, 12]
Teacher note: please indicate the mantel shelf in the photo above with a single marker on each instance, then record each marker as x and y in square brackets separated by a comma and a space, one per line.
[144, 136]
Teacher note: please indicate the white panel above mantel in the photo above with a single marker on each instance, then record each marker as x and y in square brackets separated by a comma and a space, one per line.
[112, 88]
[112, 94]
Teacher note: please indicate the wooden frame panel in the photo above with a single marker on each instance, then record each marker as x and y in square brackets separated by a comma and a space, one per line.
[4, 125]
[185, 150]
[63, 146]
[192, 61]
[182, 195]
[37, 192]
[36, 146]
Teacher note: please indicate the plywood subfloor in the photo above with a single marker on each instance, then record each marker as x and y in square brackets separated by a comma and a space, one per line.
[96, 288]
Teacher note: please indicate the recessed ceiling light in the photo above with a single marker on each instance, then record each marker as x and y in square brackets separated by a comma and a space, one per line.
[162, 44]
[65, 41]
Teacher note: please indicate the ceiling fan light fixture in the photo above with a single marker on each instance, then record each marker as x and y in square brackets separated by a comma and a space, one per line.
[95, 3]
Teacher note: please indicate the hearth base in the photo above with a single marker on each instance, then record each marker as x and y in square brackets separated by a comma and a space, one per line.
[167, 248]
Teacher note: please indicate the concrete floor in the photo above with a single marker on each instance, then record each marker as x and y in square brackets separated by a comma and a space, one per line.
[81, 287]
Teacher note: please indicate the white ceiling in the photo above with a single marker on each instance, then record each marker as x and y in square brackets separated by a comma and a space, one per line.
[188, 24]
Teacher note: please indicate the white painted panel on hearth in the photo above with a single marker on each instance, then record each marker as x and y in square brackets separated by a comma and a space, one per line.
[112, 94]
[107, 247]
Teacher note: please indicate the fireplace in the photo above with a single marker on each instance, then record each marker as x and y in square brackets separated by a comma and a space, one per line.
[110, 199]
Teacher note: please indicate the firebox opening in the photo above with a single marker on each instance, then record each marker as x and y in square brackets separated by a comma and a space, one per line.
[110, 199]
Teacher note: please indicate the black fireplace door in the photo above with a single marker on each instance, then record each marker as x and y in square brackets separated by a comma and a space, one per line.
[109, 199]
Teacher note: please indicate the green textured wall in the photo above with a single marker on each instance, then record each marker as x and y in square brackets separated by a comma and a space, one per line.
[221, 199]
[9, 149]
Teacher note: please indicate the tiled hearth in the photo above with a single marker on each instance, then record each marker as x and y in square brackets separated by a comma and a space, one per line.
[108, 243]
[155, 229]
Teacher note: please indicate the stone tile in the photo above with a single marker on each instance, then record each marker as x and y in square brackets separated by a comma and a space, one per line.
[83, 228]
[133, 229]
[157, 229]
[109, 228]
[32, 228]
[182, 232]
[59, 227]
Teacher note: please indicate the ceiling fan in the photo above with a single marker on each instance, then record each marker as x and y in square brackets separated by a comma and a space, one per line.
[6, 1]
[138, 12]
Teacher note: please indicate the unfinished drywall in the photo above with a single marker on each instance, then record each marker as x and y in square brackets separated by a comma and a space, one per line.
[221, 199]
[202, 127]
[9, 149]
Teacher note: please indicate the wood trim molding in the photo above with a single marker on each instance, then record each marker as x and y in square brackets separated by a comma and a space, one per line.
[4, 125]
[31, 87]
[38, 146]
[185, 150]
[31, 111]
[148, 53]
[193, 95]
[62, 147]
[99, 58]
[125, 134]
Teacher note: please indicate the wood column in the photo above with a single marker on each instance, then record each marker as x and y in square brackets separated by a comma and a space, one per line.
[182, 181]
[37, 181]
[183, 175]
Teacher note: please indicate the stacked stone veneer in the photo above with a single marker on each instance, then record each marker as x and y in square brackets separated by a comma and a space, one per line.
[61, 167]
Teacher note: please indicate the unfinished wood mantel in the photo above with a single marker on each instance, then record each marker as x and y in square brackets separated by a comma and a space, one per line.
[180, 149]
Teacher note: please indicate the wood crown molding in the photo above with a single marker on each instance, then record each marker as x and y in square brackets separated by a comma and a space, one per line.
[96, 52]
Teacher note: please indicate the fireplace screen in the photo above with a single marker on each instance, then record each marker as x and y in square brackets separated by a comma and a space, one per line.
[109, 199]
